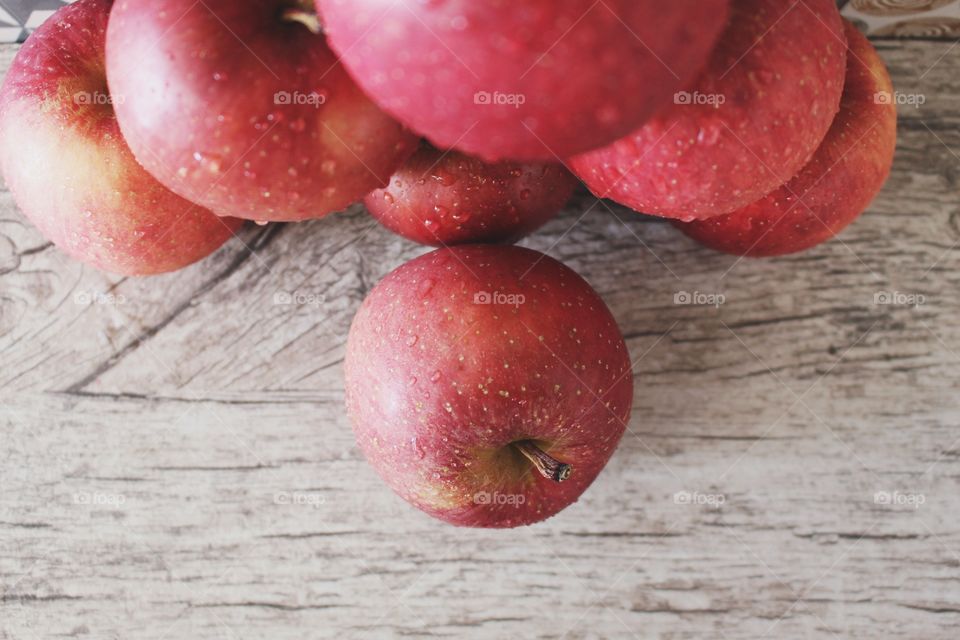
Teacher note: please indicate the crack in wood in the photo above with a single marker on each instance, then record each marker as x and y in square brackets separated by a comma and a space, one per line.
[261, 241]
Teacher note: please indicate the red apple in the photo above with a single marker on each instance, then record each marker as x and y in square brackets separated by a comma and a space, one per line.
[523, 79]
[488, 385]
[747, 126]
[844, 176]
[444, 198]
[241, 107]
[70, 170]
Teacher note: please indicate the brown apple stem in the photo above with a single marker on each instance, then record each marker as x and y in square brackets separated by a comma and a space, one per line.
[307, 18]
[548, 466]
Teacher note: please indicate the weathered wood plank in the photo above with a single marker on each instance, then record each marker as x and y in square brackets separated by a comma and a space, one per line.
[152, 441]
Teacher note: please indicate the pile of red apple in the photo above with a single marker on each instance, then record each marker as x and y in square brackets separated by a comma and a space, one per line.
[487, 384]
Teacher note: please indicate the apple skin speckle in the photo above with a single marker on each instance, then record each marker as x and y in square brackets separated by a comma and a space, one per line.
[835, 187]
[748, 125]
[511, 346]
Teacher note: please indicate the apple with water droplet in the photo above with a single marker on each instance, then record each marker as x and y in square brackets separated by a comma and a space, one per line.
[833, 189]
[444, 198]
[523, 79]
[71, 172]
[243, 108]
[748, 125]
[488, 385]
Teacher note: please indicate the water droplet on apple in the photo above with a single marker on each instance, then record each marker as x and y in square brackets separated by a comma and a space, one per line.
[412, 340]
[328, 167]
[445, 177]
[417, 449]
[708, 135]
[208, 161]
[220, 76]
[426, 287]
[389, 199]
[435, 376]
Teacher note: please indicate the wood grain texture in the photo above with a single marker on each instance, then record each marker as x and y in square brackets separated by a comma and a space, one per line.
[175, 461]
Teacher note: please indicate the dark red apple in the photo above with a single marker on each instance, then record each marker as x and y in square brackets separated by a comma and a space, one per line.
[747, 126]
[523, 79]
[835, 187]
[488, 385]
[443, 198]
[242, 107]
[70, 170]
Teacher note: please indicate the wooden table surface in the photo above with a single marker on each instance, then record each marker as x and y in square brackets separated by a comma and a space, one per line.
[175, 461]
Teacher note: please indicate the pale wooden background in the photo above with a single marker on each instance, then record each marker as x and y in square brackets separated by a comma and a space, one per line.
[151, 440]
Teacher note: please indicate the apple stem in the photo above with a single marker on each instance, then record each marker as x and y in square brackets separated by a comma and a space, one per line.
[308, 19]
[548, 466]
